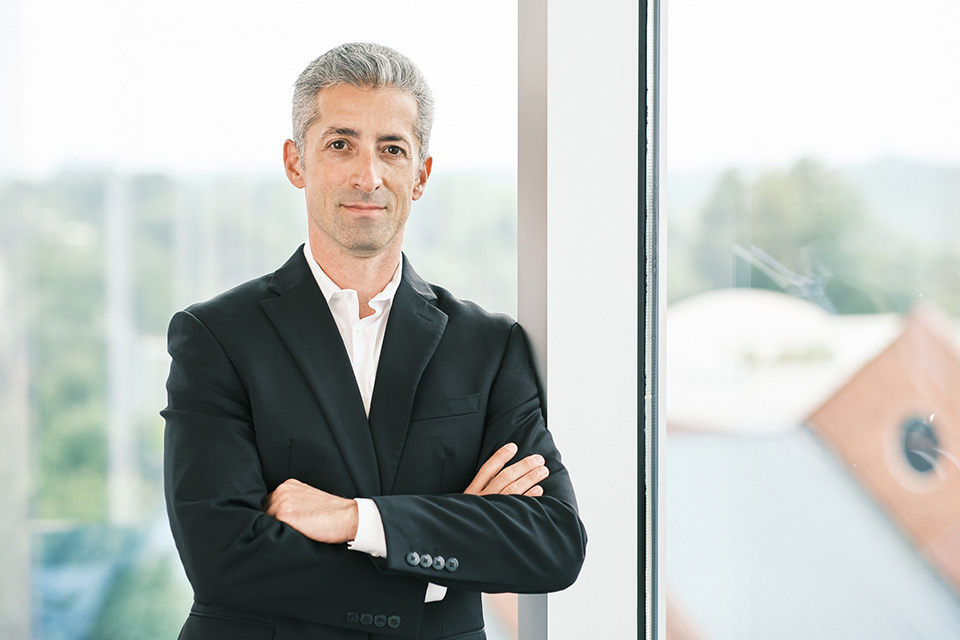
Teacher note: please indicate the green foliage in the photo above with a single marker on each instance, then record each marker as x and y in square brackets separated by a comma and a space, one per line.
[100, 262]
[805, 230]
[803, 214]
[68, 344]
[463, 221]
[152, 201]
[129, 590]
[146, 601]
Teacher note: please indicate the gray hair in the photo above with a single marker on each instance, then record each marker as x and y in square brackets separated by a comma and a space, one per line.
[366, 65]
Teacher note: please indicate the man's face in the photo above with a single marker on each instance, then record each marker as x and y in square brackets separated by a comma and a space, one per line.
[360, 169]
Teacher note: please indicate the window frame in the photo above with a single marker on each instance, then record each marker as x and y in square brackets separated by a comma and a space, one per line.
[554, 41]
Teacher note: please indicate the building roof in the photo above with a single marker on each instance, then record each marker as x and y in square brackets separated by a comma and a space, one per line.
[731, 353]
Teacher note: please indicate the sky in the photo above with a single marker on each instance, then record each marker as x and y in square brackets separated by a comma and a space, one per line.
[759, 82]
[188, 86]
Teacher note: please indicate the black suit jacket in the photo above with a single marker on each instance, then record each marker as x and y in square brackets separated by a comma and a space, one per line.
[261, 390]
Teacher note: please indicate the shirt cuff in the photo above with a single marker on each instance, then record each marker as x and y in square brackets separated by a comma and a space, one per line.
[435, 593]
[372, 541]
[370, 537]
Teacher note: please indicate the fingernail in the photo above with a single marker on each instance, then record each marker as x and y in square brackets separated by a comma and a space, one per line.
[511, 446]
[538, 459]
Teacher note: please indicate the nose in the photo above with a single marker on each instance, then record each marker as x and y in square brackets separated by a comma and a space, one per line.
[366, 173]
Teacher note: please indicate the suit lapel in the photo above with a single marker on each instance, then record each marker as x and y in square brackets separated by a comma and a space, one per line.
[413, 331]
[304, 322]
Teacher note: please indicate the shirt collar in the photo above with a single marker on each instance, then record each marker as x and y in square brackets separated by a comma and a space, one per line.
[329, 288]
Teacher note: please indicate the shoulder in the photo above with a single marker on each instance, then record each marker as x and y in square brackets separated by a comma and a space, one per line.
[241, 299]
[456, 309]
[244, 300]
[473, 330]
[463, 314]
[469, 311]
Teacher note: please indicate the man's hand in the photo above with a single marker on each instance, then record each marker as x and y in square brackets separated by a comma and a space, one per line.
[520, 478]
[319, 515]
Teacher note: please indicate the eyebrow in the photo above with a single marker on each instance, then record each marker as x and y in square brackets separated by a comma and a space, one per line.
[342, 131]
[353, 133]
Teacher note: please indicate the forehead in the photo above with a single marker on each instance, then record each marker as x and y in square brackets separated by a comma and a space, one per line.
[365, 110]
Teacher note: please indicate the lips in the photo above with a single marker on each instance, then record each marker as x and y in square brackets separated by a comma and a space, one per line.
[363, 207]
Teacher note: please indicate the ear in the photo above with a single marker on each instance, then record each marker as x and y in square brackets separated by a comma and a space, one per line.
[291, 164]
[421, 182]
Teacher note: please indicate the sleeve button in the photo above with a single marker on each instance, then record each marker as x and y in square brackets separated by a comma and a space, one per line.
[413, 558]
[426, 560]
[393, 622]
[452, 564]
[353, 617]
[438, 563]
[380, 620]
[366, 618]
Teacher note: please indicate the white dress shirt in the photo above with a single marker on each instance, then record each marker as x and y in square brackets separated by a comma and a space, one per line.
[363, 339]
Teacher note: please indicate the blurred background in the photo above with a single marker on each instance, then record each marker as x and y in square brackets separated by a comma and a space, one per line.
[812, 366]
[140, 171]
[813, 209]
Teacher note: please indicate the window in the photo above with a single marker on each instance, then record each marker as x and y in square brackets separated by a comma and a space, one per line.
[812, 321]
[139, 172]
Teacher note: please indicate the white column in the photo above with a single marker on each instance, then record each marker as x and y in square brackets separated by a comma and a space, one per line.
[15, 451]
[121, 474]
[581, 261]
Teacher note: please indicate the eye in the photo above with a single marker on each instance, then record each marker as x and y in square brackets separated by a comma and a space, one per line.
[394, 150]
[339, 145]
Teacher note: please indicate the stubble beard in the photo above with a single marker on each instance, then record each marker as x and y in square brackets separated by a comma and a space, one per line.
[366, 238]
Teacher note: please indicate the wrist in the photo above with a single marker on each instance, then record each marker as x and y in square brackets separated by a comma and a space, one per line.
[352, 520]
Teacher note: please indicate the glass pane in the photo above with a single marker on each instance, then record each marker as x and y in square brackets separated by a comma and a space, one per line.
[140, 171]
[813, 324]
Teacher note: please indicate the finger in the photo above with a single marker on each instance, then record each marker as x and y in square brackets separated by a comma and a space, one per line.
[272, 504]
[491, 468]
[286, 490]
[513, 473]
[534, 492]
[527, 481]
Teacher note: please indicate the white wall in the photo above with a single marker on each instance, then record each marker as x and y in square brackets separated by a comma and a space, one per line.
[579, 265]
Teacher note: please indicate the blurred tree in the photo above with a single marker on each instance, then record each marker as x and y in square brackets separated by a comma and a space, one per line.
[722, 226]
[67, 339]
[183, 239]
[145, 601]
[803, 230]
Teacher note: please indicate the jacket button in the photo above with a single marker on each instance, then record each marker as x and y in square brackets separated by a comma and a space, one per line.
[438, 563]
[393, 622]
[413, 558]
[426, 561]
[452, 564]
[366, 618]
[353, 617]
[380, 620]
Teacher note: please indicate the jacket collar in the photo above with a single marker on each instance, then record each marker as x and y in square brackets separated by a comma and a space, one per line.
[371, 449]
[414, 329]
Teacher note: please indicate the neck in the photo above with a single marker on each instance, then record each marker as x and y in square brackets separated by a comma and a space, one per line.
[367, 275]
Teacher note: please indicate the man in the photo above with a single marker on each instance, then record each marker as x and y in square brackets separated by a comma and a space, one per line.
[350, 450]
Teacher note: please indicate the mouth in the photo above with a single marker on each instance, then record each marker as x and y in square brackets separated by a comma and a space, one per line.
[362, 208]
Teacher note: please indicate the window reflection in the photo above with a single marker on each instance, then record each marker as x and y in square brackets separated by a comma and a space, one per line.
[813, 343]
[136, 205]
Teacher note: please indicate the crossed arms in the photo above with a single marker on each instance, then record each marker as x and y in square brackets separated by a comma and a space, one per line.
[250, 537]
[330, 519]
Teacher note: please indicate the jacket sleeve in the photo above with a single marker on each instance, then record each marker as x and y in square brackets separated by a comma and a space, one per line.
[234, 554]
[494, 543]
